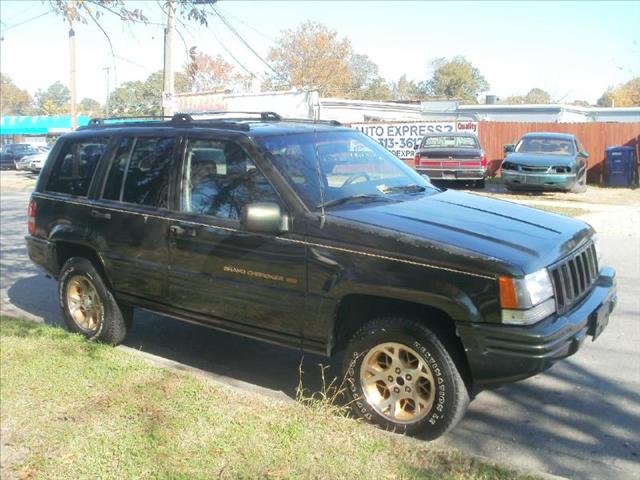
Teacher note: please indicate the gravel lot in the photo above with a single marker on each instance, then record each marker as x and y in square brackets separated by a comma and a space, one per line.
[580, 419]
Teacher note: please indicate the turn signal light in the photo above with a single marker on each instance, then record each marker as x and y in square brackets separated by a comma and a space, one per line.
[483, 160]
[31, 216]
[508, 294]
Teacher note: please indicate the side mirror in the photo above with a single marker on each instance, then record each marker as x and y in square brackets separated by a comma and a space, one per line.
[416, 146]
[264, 218]
[583, 154]
[509, 148]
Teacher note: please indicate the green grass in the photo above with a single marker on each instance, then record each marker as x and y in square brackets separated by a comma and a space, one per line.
[73, 409]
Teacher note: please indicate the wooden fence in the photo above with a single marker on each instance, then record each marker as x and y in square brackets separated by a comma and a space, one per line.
[595, 137]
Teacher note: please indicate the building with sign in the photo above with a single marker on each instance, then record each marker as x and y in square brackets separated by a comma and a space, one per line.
[35, 129]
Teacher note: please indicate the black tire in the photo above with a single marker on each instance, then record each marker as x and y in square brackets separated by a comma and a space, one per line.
[581, 185]
[449, 400]
[479, 184]
[112, 325]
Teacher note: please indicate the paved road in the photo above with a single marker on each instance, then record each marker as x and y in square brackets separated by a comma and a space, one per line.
[580, 419]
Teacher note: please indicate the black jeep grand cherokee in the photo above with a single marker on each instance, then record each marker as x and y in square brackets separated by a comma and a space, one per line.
[311, 234]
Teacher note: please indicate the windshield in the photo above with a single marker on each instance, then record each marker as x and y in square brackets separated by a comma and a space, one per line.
[545, 145]
[351, 165]
[450, 142]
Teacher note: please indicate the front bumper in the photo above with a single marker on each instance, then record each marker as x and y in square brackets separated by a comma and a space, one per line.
[453, 173]
[543, 181]
[499, 354]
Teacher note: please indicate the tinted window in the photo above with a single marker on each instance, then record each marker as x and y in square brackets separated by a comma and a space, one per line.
[147, 177]
[113, 185]
[220, 179]
[345, 163]
[76, 164]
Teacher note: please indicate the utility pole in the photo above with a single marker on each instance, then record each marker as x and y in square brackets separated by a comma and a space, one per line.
[168, 88]
[72, 75]
[106, 103]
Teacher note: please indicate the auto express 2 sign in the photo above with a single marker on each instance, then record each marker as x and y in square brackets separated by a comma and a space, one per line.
[400, 138]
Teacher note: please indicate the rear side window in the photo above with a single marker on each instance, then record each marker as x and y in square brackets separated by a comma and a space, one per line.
[76, 164]
[146, 181]
[113, 185]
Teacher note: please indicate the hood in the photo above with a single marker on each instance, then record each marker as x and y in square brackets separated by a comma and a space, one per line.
[538, 159]
[470, 230]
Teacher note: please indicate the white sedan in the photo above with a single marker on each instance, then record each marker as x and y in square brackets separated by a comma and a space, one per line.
[36, 162]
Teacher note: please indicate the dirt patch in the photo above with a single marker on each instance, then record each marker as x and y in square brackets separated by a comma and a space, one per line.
[11, 180]
[594, 195]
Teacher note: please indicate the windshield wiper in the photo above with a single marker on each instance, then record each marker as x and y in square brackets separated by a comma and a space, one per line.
[352, 198]
[412, 188]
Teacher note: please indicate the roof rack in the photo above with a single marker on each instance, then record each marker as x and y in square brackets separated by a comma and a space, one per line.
[102, 120]
[225, 121]
[264, 116]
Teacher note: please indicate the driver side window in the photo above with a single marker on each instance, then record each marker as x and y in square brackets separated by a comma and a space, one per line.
[220, 178]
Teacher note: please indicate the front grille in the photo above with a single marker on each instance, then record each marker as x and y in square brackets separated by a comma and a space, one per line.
[574, 276]
[528, 168]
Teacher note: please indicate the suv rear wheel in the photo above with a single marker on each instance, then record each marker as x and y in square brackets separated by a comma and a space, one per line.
[400, 376]
[88, 305]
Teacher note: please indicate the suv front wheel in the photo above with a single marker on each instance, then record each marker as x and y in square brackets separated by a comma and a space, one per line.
[88, 305]
[400, 376]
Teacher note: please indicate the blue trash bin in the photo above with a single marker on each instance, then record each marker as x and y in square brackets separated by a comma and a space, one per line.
[620, 166]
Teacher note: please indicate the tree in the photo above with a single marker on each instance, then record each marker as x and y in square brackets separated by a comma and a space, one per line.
[211, 73]
[405, 89]
[535, 96]
[144, 98]
[581, 103]
[54, 100]
[624, 95]
[455, 78]
[312, 56]
[89, 106]
[13, 100]
[367, 84]
[84, 11]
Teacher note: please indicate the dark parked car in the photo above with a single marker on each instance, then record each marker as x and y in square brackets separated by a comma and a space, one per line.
[12, 152]
[312, 235]
[546, 161]
[452, 156]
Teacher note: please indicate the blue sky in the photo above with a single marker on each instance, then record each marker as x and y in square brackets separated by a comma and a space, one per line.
[574, 50]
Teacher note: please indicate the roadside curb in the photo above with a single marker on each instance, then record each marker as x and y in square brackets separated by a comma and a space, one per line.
[233, 383]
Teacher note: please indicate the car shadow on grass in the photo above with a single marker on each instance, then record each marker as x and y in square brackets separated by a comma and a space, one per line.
[245, 359]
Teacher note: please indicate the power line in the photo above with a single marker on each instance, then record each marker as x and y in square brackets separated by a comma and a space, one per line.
[247, 25]
[27, 21]
[21, 12]
[229, 52]
[246, 44]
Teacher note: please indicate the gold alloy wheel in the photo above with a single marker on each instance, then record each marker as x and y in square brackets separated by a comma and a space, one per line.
[84, 304]
[397, 382]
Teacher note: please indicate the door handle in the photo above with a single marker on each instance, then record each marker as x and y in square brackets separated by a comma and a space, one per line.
[98, 214]
[181, 231]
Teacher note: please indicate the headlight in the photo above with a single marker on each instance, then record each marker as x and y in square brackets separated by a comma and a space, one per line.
[596, 245]
[519, 296]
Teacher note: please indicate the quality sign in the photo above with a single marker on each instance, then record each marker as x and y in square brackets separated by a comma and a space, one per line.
[401, 138]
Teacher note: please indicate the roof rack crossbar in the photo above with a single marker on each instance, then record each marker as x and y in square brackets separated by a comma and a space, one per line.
[265, 116]
[101, 120]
